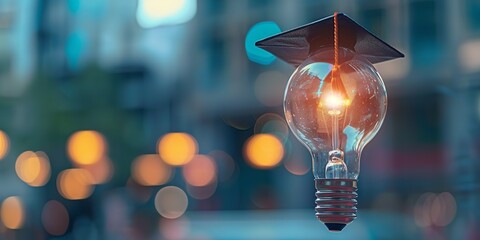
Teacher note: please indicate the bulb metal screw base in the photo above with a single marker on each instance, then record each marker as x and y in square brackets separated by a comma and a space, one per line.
[336, 202]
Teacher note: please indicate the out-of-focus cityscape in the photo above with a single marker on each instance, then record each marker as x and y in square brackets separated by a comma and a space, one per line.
[160, 119]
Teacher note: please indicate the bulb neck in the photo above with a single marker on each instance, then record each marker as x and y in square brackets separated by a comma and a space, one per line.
[336, 202]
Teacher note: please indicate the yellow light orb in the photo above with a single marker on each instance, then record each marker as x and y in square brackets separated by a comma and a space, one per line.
[33, 168]
[200, 171]
[86, 147]
[75, 184]
[177, 149]
[4, 144]
[27, 166]
[55, 218]
[12, 213]
[44, 172]
[171, 202]
[149, 170]
[263, 151]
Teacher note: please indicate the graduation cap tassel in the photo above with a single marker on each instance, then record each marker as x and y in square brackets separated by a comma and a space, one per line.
[335, 39]
[337, 84]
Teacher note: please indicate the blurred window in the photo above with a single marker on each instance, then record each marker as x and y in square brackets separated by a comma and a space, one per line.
[259, 3]
[374, 20]
[473, 15]
[425, 39]
[314, 10]
[216, 63]
[416, 121]
[216, 7]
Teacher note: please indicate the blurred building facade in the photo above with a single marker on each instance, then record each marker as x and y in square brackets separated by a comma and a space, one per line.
[101, 70]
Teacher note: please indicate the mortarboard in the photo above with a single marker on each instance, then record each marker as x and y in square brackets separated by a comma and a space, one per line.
[295, 45]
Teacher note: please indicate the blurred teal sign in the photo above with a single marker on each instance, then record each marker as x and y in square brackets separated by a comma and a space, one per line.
[258, 32]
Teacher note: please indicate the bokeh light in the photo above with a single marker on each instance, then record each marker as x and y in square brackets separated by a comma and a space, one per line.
[76, 44]
[435, 210]
[240, 123]
[263, 197]
[274, 124]
[200, 171]
[149, 170]
[45, 170]
[444, 209]
[258, 32]
[171, 202]
[469, 60]
[101, 171]
[33, 168]
[12, 212]
[152, 13]
[298, 160]
[86, 147]
[203, 192]
[263, 151]
[55, 218]
[139, 192]
[225, 165]
[421, 211]
[4, 144]
[174, 228]
[177, 149]
[297, 166]
[75, 184]
[269, 88]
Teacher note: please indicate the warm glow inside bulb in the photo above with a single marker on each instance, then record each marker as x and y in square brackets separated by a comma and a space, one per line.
[334, 103]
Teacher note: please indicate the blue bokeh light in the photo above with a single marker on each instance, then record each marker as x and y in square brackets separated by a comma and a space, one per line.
[258, 32]
[75, 48]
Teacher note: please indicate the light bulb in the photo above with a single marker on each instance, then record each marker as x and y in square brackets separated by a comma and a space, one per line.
[335, 111]
[335, 103]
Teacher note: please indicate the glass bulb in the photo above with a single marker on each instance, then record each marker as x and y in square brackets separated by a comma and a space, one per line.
[335, 111]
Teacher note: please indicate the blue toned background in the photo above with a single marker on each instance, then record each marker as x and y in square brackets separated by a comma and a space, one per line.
[149, 119]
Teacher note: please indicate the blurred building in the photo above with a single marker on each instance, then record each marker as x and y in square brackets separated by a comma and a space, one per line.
[73, 65]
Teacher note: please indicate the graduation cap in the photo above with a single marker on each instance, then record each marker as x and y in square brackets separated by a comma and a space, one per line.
[295, 45]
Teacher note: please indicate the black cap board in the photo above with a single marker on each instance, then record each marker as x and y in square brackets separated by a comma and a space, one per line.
[295, 45]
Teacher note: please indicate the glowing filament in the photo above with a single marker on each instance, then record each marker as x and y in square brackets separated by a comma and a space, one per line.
[335, 103]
